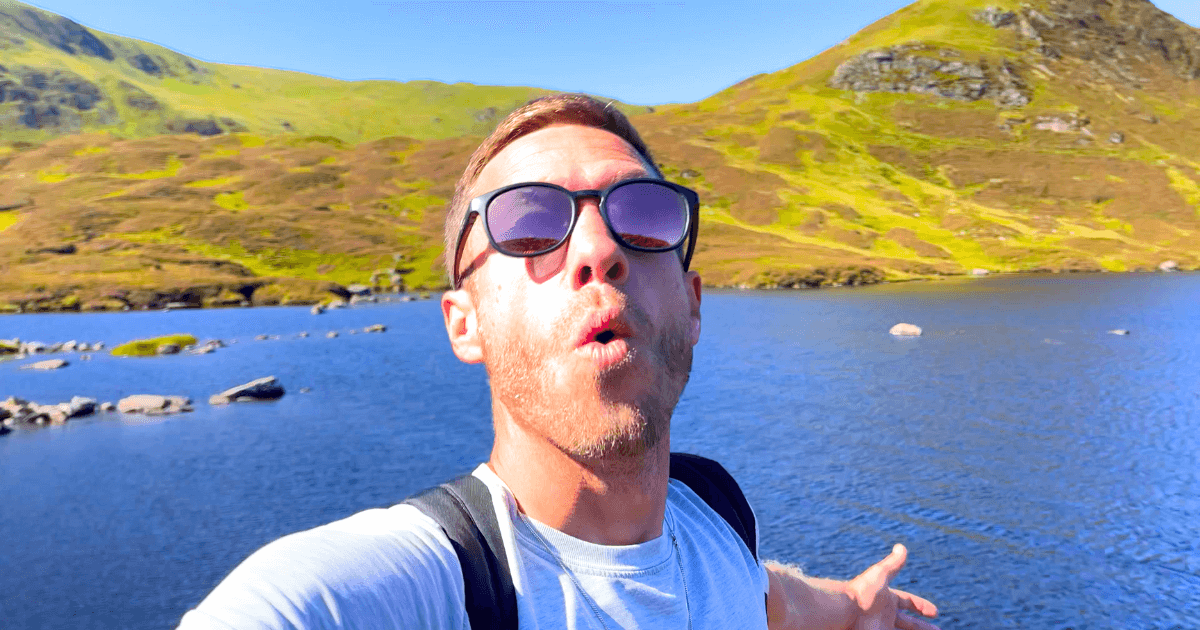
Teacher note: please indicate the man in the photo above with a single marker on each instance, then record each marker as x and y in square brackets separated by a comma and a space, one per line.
[582, 310]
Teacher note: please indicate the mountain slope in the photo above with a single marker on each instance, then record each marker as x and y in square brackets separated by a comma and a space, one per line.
[58, 77]
[949, 136]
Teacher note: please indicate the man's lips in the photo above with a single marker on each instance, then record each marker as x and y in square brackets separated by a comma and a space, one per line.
[604, 327]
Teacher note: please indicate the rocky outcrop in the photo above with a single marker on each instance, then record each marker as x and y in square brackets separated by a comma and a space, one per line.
[49, 99]
[15, 411]
[941, 72]
[66, 35]
[1114, 37]
[267, 388]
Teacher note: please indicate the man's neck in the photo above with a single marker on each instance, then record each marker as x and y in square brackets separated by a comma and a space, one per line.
[611, 501]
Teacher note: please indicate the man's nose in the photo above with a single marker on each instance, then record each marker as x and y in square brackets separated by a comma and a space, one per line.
[592, 254]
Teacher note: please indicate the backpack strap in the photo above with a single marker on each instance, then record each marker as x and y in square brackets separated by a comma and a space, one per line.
[463, 508]
[712, 483]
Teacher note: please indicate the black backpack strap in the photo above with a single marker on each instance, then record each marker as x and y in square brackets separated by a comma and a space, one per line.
[463, 508]
[712, 483]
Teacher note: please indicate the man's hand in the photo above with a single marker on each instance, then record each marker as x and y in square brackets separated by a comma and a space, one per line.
[880, 607]
[864, 603]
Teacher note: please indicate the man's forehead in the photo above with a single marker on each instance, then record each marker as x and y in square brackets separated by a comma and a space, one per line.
[573, 156]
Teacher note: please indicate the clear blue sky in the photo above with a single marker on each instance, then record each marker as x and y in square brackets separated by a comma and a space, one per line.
[638, 52]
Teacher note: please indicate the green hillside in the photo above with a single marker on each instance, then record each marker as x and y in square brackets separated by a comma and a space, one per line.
[60, 78]
[950, 136]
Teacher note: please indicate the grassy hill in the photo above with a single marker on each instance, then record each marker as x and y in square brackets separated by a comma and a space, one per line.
[60, 77]
[951, 135]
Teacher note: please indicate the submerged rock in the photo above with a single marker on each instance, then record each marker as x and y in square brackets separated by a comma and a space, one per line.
[905, 330]
[154, 405]
[50, 364]
[266, 388]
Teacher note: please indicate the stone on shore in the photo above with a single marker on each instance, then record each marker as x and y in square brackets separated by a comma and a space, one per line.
[266, 388]
[1168, 266]
[979, 272]
[49, 364]
[905, 330]
[154, 405]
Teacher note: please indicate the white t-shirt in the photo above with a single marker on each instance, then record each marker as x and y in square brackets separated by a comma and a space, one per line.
[395, 568]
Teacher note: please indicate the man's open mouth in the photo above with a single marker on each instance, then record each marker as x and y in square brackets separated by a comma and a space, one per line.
[605, 327]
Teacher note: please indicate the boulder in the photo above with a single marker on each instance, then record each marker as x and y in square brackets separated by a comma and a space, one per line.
[70, 346]
[154, 405]
[98, 346]
[1116, 137]
[79, 407]
[266, 388]
[82, 347]
[107, 407]
[331, 334]
[33, 347]
[49, 364]
[905, 330]
[316, 309]
[1168, 266]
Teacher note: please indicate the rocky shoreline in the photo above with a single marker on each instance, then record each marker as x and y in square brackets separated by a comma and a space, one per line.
[340, 297]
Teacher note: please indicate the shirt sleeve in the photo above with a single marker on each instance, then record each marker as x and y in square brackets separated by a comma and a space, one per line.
[390, 568]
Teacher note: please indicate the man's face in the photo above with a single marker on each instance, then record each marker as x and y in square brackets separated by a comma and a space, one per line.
[588, 346]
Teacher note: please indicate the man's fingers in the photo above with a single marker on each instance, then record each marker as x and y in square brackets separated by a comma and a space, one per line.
[891, 565]
[906, 622]
[915, 603]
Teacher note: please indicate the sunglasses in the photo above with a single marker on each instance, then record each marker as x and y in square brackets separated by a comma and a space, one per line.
[531, 219]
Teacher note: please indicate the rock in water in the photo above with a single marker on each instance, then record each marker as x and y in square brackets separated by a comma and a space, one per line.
[266, 388]
[331, 334]
[154, 405]
[1118, 331]
[317, 309]
[905, 330]
[80, 406]
[107, 407]
[51, 364]
[375, 328]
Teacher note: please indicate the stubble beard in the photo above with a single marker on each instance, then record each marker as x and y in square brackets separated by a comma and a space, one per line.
[584, 414]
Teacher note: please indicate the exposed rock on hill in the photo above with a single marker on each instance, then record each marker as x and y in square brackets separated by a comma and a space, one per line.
[924, 69]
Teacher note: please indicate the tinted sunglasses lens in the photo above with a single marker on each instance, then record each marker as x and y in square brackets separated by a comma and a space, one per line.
[529, 220]
[648, 215]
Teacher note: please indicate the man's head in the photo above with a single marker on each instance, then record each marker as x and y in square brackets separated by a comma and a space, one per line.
[589, 345]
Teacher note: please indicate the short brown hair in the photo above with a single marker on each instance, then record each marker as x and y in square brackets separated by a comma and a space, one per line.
[558, 109]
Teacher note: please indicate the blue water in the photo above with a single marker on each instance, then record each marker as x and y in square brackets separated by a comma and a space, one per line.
[1043, 473]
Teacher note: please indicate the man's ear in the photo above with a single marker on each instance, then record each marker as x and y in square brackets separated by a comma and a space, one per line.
[694, 285]
[462, 325]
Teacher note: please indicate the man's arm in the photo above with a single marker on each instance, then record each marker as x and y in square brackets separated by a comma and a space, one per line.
[798, 601]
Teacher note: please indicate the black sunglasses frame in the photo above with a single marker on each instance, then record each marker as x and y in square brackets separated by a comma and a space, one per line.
[479, 206]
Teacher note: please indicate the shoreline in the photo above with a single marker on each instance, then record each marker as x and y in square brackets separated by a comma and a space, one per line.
[343, 298]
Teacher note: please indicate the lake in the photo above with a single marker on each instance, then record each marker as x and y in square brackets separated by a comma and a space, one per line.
[1043, 473]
